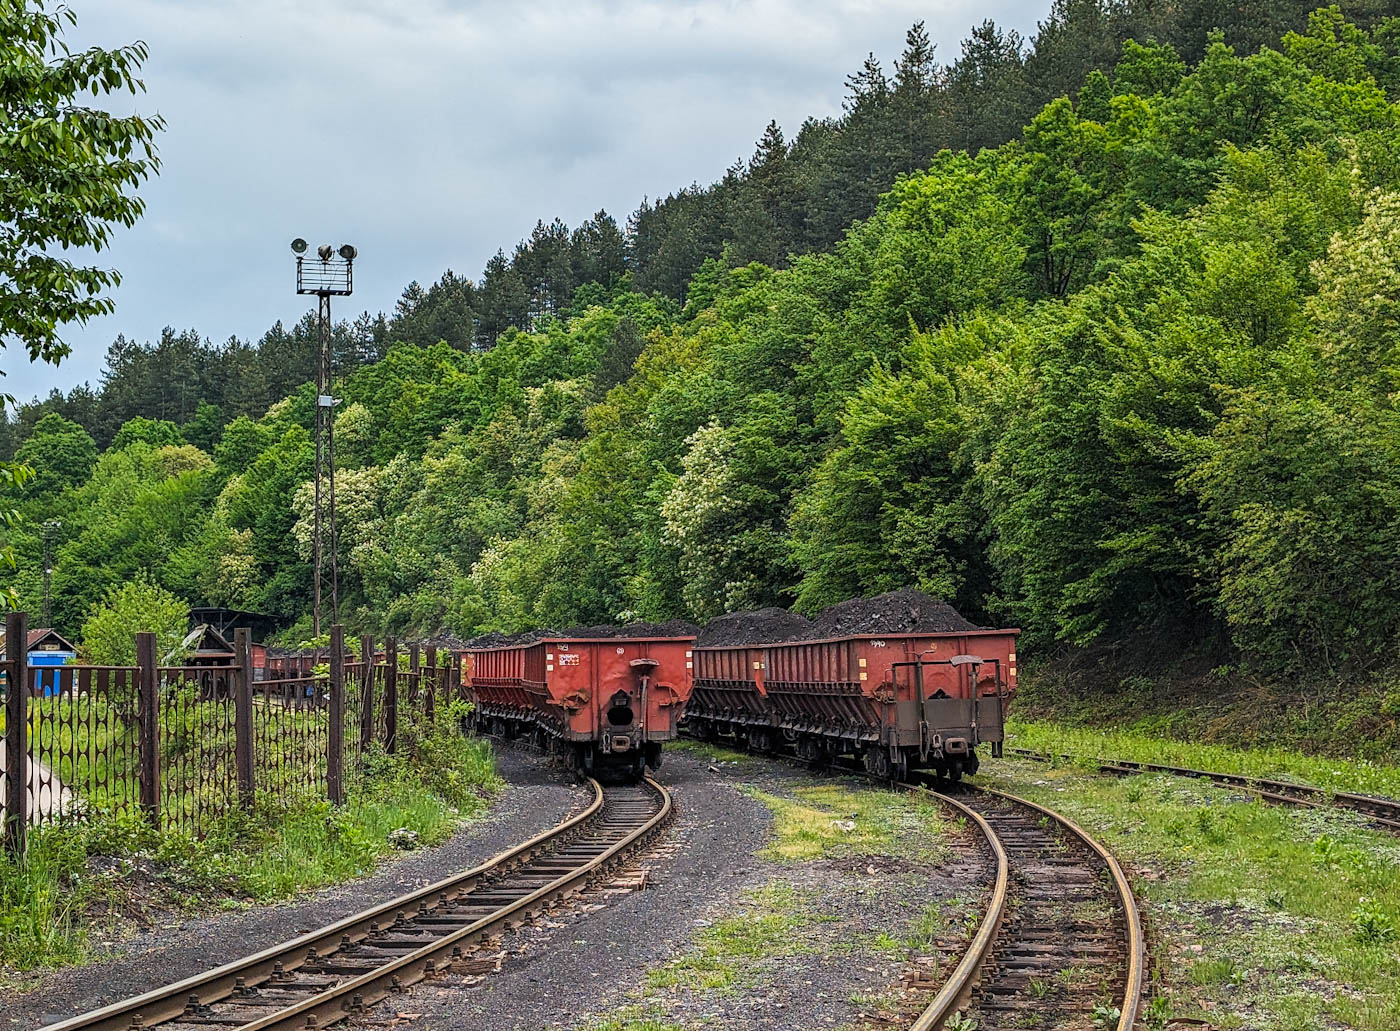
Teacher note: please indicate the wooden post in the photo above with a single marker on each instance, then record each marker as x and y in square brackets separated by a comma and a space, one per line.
[243, 715]
[148, 708]
[415, 679]
[431, 688]
[16, 732]
[367, 694]
[391, 695]
[335, 751]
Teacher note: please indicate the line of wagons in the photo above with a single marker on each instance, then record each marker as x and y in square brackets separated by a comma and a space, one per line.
[897, 702]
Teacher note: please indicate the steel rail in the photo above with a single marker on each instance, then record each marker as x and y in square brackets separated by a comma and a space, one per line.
[169, 1004]
[1379, 811]
[959, 985]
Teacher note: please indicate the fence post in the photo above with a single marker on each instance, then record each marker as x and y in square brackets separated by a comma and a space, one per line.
[335, 750]
[367, 694]
[430, 689]
[391, 695]
[415, 680]
[243, 715]
[16, 732]
[148, 705]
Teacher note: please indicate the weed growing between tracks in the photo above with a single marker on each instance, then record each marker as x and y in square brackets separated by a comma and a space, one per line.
[835, 820]
[1262, 917]
[82, 884]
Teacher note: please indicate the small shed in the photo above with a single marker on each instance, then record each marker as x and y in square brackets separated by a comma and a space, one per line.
[210, 653]
[47, 650]
[225, 622]
[205, 646]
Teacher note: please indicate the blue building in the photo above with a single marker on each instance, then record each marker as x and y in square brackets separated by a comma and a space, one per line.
[47, 651]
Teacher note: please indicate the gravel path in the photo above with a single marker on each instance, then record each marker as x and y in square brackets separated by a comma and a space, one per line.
[588, 966]
[536, 798]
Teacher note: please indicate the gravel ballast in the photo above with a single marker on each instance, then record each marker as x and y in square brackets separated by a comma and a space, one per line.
[535, 799]
[629, 948]
[609, 959]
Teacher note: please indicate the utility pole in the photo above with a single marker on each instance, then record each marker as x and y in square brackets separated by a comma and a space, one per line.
[50, 527]
[329, 274]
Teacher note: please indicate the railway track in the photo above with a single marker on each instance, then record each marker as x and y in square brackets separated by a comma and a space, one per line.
[344, 968]
[1380, 812]
[1060, 943]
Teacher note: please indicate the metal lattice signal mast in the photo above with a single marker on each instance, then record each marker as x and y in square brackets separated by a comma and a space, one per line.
[330, 273]
[50, 528]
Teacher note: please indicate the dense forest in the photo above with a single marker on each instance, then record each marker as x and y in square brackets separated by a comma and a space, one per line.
[1095, 334]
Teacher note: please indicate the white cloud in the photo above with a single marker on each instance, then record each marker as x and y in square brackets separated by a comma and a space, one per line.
[431, 133]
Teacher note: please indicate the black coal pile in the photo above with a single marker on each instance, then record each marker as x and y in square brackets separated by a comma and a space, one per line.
[496, 639]
[674, 628]
[898, 612]
[761, 626]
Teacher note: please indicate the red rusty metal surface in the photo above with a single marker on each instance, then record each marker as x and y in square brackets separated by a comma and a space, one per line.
[843, 681]
[568, 684]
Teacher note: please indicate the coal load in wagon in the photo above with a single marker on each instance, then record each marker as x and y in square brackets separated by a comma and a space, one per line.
[674, 628]
[496, 639]
[761, 626]
[897, 612]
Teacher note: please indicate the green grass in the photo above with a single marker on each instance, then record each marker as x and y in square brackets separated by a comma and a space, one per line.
[1137, 687]
[1272, 763]
[725, 952]
[1264, 917]
[836, 819]
[705, 750]
[269, 853]
[634, 1018]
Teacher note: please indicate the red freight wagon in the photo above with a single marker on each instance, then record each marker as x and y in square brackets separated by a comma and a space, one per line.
[599, 701]
[899, 701]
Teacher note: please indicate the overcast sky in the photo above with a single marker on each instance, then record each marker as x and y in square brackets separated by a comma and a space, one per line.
[431, 132]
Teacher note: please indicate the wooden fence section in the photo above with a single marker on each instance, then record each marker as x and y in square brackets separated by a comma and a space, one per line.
[184, 746]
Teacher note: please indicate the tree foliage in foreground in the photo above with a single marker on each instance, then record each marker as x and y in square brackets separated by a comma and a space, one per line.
[68, 175]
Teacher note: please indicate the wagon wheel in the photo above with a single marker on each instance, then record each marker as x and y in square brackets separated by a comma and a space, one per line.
[877, 762]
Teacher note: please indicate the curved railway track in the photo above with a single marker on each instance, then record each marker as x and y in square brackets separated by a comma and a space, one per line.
[1380, 812]
[1061, 937]
[342, 969]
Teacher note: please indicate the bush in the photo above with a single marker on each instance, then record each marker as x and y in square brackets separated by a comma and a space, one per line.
[137, 606]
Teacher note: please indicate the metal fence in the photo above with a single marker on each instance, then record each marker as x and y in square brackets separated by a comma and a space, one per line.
[185, 746]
